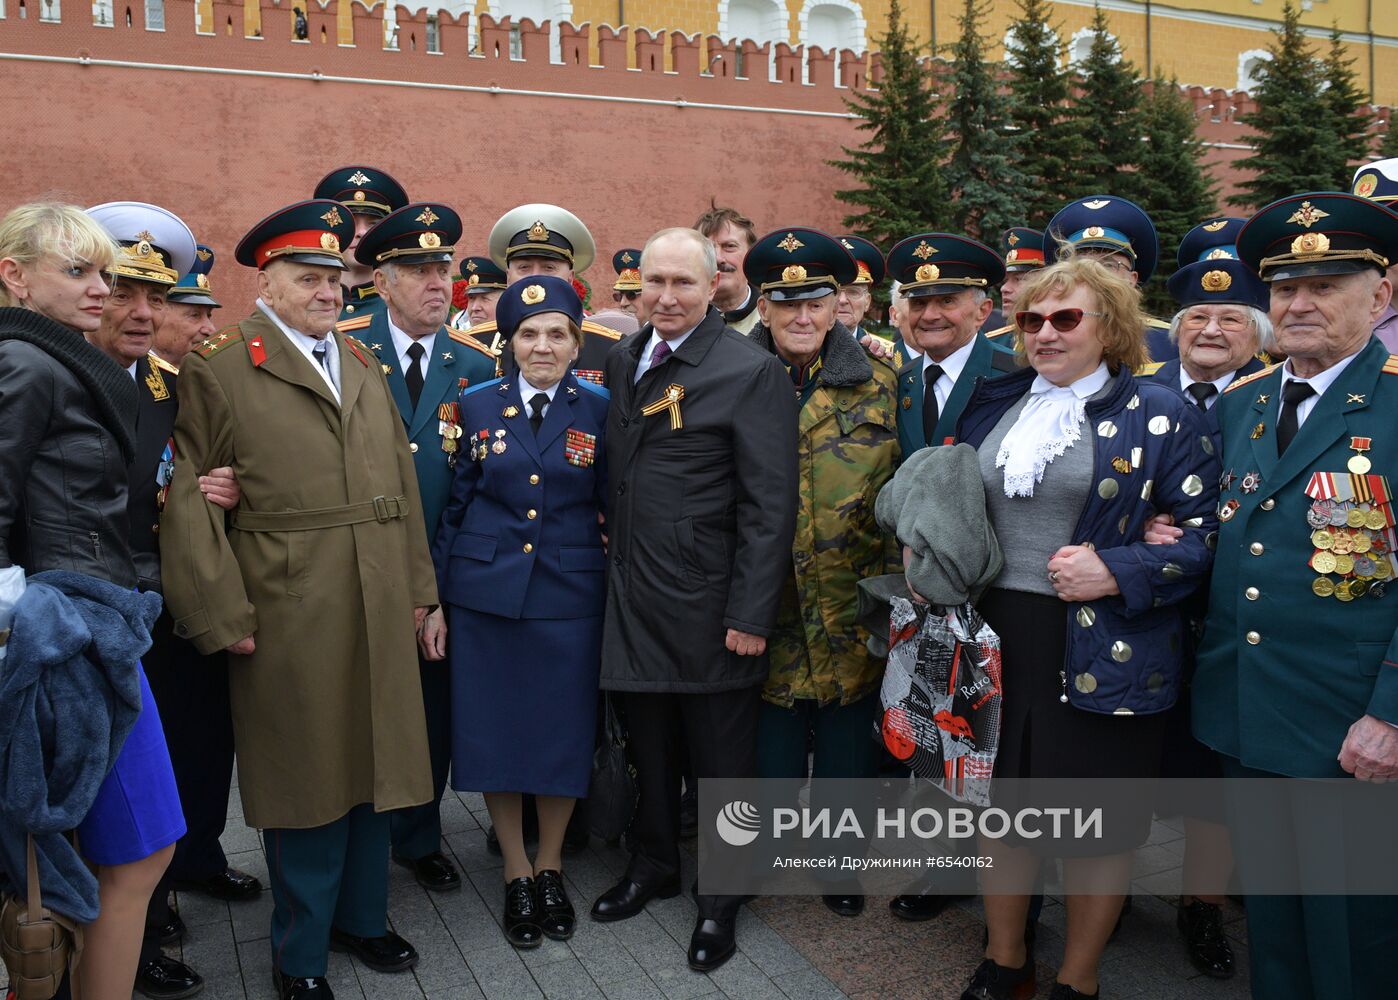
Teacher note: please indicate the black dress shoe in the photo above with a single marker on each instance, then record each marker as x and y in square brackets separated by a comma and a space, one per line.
[845, 906]
[386, 953]
[628, 898]
[1201, 924]
[229, 885]
[997, 982]
[522, 914]
[1062, 991]
[918, 908]
[164, 978]
[301, 987]
[170, 932]
[556, 917]
[711, 945]
[434, 872]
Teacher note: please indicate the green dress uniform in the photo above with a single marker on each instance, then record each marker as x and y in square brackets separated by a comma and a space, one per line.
[372, 193]
[1301, 636]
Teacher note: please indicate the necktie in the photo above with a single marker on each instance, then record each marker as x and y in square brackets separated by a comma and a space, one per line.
[322, 355]
[413, 373]
[930, 374]
[537, 402]
[1293, 393]
[658, 356]
[1202, 391]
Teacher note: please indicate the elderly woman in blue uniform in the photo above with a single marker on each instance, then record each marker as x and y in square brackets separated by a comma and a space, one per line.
[520, 562]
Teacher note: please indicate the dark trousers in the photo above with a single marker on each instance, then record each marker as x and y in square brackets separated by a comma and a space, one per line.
[333, 875]
[720, 733]
[1308, 947]
[417, 830]
[843, 737]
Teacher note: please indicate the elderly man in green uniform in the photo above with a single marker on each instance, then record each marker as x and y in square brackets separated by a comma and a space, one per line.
[314, 585]
[428, 364]
[1296, 671]
[369, 194]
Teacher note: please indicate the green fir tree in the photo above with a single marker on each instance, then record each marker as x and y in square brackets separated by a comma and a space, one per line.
[897, 166]
[1108, 114]
[982, 172]
[1389, 146]
[1348, 107]
[1039, 93]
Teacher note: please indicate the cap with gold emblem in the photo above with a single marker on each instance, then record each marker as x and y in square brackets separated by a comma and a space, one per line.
[1023, 249]
[1106, 223]
[627, 264]
[537, 293]
[481, 274]
[308, 232]
[791, 264]
[154, 244]
[420, 233]
[194, 289]
[541, 231]
[868, 259]
[1325, 232]
[363, 190]
[1216, 239]
[941, 264]
[1378, 181]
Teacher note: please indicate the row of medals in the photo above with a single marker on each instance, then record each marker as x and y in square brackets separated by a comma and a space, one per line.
[1351, 540]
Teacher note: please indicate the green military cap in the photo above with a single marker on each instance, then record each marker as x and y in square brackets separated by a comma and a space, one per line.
[798, 263]
[942, 263]
[363, 190]
[1324, 232]
[414, 234]
[482, 275]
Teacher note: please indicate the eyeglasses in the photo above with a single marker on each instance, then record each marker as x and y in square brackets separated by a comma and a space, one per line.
[629, 296]
[1228, 323]
[1063, 320]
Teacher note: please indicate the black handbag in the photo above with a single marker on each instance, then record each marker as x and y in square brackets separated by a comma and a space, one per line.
[611, 800]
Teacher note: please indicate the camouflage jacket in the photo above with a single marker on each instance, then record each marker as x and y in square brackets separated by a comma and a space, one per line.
[847, 450]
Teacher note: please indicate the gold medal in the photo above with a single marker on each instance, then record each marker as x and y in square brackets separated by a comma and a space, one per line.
[1381, 568]
[1342, 592]
[1359, 465]
[1322, 587]
[1342, 543]
[1322, 539]
[511, 411]
[1323, 562]
[1375, 521]
[448, 445]
[1363, 543]
[1355, 517]
[453, 431]
[1358, 588]
[1344, 565]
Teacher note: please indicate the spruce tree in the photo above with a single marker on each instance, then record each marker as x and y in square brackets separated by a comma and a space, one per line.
[1389, 146]
[1051, 146]
[1108, 114]
[1293, 135]
[1348, 107]
[982, 172]
[898, 164]
[1172, 185]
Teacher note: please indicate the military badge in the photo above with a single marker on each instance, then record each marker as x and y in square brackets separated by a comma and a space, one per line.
[592, 375]
[580, 448]
[155, 382]
[669, 402]
[449, 427]
[498, 445]
[1251, 482]
[164, 472]
[1227, 509]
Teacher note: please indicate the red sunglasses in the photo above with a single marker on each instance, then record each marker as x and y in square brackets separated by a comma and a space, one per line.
[1063, 320]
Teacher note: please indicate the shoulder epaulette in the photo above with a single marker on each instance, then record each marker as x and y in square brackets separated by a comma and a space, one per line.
[597, 328]
[593, 387]
[882, 340]
[158, 362]
[1159, 324]
[1150, 368]
[1390, 367]
[1251, 378]
[1000, 332]
[464, 338]
[220, 340]
[479, 386]
[357, 323]
[359, 349]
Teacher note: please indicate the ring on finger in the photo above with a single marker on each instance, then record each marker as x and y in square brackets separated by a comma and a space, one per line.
[1053, 576]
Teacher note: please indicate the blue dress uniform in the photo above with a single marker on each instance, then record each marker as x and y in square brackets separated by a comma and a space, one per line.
[521, 568]
[1108, 224]
[369, 192]
[418, 233]
[1301, 637]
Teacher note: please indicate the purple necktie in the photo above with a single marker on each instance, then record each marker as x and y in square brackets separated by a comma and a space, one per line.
[658, 356]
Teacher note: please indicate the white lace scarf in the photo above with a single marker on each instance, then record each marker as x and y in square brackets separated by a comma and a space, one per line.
[1050, 423]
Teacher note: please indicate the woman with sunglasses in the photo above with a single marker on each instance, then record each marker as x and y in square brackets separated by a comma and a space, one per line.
[1077, 455]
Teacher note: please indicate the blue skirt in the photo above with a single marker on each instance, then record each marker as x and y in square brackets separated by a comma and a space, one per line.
[137, 811]
[523, 702]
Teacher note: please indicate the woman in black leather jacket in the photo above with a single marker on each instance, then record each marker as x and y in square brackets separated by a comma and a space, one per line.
[67, 416]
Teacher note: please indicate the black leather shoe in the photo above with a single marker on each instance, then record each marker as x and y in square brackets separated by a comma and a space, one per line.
[164, 978]
[434, 872]
[556, 917]
[522, 914]
[845, 906]
[1201, 924]
[387, 953]
[229, 885]
[170, 932]
[1062, 991]
[628, 898]
[996, 982]
[711, 945]
[301, 987]
[917, 908]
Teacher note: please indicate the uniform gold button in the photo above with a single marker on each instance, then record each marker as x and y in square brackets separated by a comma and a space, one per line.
[1253, 638]
[1252, 593]
[532, 514]
[1255, 548]
[528, 547]
[413, 447]
[534, 480]
[1268, 504]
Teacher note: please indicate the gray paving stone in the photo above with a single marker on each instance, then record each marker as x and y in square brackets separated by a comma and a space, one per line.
[239, 837]
[604, 957]
[739, 979]
[252, 861]
[767, 949]
[462, 992]
[806, 984]
[639, 989]
[566, 981]
[381, 986]
[252, 920]
[197, 909]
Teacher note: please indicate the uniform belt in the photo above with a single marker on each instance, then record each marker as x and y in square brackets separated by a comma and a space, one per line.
[381, 509]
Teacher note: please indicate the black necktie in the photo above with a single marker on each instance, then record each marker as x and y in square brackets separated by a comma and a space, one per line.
[537, 402]
[413, 373]
[1202, 392]
[930, 374]
[1293, 393]
[322, 353]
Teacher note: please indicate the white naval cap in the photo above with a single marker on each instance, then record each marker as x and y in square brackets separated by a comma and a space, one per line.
[155, 243]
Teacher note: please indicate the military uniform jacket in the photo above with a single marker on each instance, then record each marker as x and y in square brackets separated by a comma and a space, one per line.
[702, 510]
[520, 537]
[847, 450]
[986, 359]
[361, 302]
[149, 473]
[457, 362]
[327, 713]
[598, 340]
[1282, 671]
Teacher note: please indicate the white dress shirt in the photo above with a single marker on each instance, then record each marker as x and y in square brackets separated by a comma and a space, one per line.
[306, 344]
[528, 392]
[401, 343]
[1319, 383]
[643, 365]
[1219, 383]
[952, 367]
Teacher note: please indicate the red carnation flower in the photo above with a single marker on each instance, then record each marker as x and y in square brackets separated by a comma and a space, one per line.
[458, 293]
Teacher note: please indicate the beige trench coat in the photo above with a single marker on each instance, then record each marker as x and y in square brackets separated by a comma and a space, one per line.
[327, 712]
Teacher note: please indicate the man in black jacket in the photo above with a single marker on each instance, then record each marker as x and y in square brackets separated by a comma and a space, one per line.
[701, 455]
